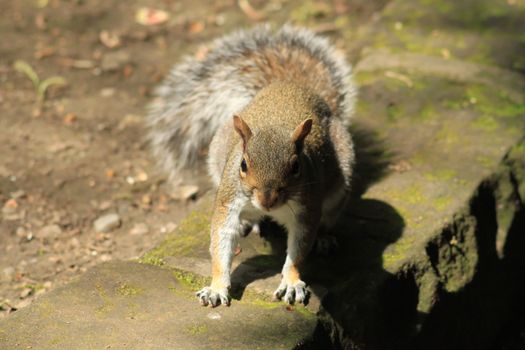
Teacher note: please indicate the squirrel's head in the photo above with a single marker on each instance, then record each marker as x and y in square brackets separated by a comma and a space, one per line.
[271, 169]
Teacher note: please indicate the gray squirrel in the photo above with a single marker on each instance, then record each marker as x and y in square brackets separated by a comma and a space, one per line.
[274, 108]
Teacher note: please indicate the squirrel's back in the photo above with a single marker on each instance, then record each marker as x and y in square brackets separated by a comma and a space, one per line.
[199, 96]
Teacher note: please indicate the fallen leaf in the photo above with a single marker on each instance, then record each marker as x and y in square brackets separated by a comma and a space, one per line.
[196, 27]
[109, 39]
[40, 21]
[127, 71]
[11, 203]
[70, 118]
[400, 166]
[44, 52]
[149, 17]
[78, 64]
[249, 11]
[202, 52]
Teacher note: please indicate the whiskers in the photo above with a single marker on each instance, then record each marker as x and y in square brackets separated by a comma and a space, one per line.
[291, 208]
[303, 185]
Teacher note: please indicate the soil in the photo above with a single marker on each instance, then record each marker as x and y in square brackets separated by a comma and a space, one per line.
[82, 153]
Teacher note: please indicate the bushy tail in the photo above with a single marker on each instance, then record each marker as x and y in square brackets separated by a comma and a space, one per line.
[197, 97]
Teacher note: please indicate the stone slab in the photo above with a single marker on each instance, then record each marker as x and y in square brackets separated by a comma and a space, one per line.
[127, 305]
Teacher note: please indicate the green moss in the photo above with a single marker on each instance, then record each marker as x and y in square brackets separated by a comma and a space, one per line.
[428, 112]
[129, 290]
[190, 280]
[265, 301]
[56, 340]
[44, 308]
[448, 135]
[192, 234]
[197, 329]
[442, 7]
[151, 258]
[394, 112]
[428, 284]
[486, 122]
[365, 78]
[441, 175]
[397, 253]
[310, 10]
[457, 257]
[411, 194]
[107, 304]
[488, 102]
[485, 161]
[441, 203]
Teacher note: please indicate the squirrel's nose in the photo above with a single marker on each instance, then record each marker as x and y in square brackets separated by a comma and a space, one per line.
[267, 198]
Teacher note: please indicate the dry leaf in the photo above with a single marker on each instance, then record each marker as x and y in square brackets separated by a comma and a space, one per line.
[109, 39]
[202, 52]
[249, 11]
[196, 27]
[69, 118]
[149, 17]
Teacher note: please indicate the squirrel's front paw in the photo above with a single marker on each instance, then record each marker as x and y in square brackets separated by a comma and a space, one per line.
[292, 292]
[213, 296]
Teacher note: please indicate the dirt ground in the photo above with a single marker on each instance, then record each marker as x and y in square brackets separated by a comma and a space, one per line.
[82, 153]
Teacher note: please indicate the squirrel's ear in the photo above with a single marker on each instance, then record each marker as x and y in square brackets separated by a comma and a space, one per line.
[243, 129]
[301, 131]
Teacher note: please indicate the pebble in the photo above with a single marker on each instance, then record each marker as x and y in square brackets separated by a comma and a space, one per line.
[25, 293]
[107, 223]
[139, 229]
[107, 92]
[18, 194]
[113, 61]
[8, 273]
[49, 231]
[185, 192]
[214, 315]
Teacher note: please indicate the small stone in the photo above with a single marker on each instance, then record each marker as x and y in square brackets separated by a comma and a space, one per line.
[142, 177]
[107, 223]
[139, 229]
[104, 205]
[109, 39]
[185, 192]
[18, 194]
[8, 273]
[214, 315]
[107, 92]
[105, 257]
[170, 227]
[50, 231]
[10, 210]
[113, 61]
[25, 293]
[10, 206]
[21, 232]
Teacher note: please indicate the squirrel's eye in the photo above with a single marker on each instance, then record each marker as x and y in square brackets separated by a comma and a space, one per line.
[295, 168]
[244, 167]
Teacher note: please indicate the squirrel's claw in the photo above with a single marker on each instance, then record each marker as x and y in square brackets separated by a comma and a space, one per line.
[293, 293]
[209, 296]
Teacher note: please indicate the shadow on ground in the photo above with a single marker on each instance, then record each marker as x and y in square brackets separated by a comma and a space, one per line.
[366, 227]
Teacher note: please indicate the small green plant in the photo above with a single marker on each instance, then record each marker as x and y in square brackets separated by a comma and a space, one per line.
[40, 85]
